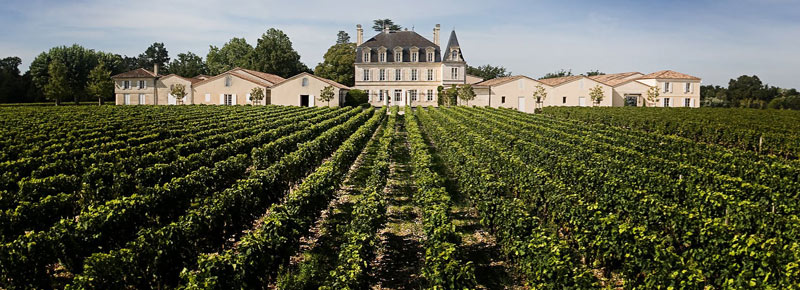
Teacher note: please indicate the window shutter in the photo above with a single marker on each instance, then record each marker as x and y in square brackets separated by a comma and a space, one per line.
[233, 99]
[221, 99]
[248, 99]
[691, 103]
[311, 100]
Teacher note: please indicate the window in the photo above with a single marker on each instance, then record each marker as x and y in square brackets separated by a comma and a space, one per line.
[383, 57]
[126, 84]
[380, 95]
[666, 102]
[398, 56]
[369, 98]
[141, 99]
[687, 102]
[454, 73]
[228, 81]
[208, 98]
[413, 74]
[305, 82]
[503, 99]
[398, 95]
[563, 100]
[366, 74]
[454, 55]
[228, 100]
[366, 57]
[430, 95]
[142, 85]
[413, 95]
[414, 56]
[127, 99]
[430, 74]
[398, 75]
[666, 87]
[382, 75]
[430, 56]
[688, 87]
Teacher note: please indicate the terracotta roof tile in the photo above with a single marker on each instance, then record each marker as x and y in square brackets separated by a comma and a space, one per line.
[274, 79]
[616, 79]
[553, 82]
[500, 80]
[668, 74]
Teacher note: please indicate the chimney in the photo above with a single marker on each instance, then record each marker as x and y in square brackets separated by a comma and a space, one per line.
[155, 69]
[360, 35]
[436, 34]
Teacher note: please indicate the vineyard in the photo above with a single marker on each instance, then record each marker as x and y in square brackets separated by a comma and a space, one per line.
[241, 197]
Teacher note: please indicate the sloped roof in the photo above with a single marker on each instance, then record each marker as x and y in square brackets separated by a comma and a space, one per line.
[393, 39]
[553, 82]
[453, 41]
[330, 82]
[668, 74]
[617, 78]
[256, 77]
[192, 80]
[137, 73]
[502, 80]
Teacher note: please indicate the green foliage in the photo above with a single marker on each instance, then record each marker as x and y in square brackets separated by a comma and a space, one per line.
[380, 24]
[77, 61]
[557, 74]
[155, 54]
[342, 37]
[594, 73]
[179, 92]
[188, 65]
[791, 103]
[596, 94]
[235, 53]
[466, 93]
[100, 84]
[326, 95]
[449, 96]
[274, 54]
[257, 95]
[488, 72]
[338, 64]
[57, 87]
[651, 96]
[356, 97]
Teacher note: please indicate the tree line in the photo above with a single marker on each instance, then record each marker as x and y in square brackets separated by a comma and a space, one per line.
[749, 92]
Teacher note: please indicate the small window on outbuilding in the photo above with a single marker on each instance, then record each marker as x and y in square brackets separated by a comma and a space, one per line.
[305, 82]
[228, 81]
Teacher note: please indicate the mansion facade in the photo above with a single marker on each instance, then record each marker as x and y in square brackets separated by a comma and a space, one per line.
[405, 68]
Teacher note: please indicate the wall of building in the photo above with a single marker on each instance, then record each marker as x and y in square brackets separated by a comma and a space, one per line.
[575, 90]
[164, 88]
[211, 92]
[512, 91]
[134, 91]
[288, 92]
[405, 97]
[630, 88]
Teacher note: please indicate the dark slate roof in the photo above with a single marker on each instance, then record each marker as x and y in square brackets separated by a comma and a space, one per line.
[453, 42]
[404, 39]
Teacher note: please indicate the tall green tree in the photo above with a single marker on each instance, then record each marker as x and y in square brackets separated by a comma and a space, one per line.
[274, 54]
[338, 64]
[11, 83]
[488, 72]
[188, 65]
[342, 37]
[57, 87]
[78, 61]
[100, 84]
[379, 24]
[235, 53]
[557, 74]
[155, 54]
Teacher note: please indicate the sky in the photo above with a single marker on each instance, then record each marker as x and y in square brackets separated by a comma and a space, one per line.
[713, 40]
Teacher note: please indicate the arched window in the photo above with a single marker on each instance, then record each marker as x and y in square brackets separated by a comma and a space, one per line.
[305, 82]
[228, 81]
[455, 54]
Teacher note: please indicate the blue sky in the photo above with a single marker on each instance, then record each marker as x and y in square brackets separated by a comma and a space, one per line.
[714, 40]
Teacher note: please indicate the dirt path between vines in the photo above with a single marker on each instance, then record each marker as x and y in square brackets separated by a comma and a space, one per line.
[400, 255]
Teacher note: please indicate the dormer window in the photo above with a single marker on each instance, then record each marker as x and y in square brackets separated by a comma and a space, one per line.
[430, 56]
[398, 55]
[414, 57]
[454, 55]
[367, 55]
[383, 57]
[414, 54]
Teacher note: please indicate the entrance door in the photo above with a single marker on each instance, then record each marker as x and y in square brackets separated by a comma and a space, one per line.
[304, 100]
[521, 104]
[582, 101]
